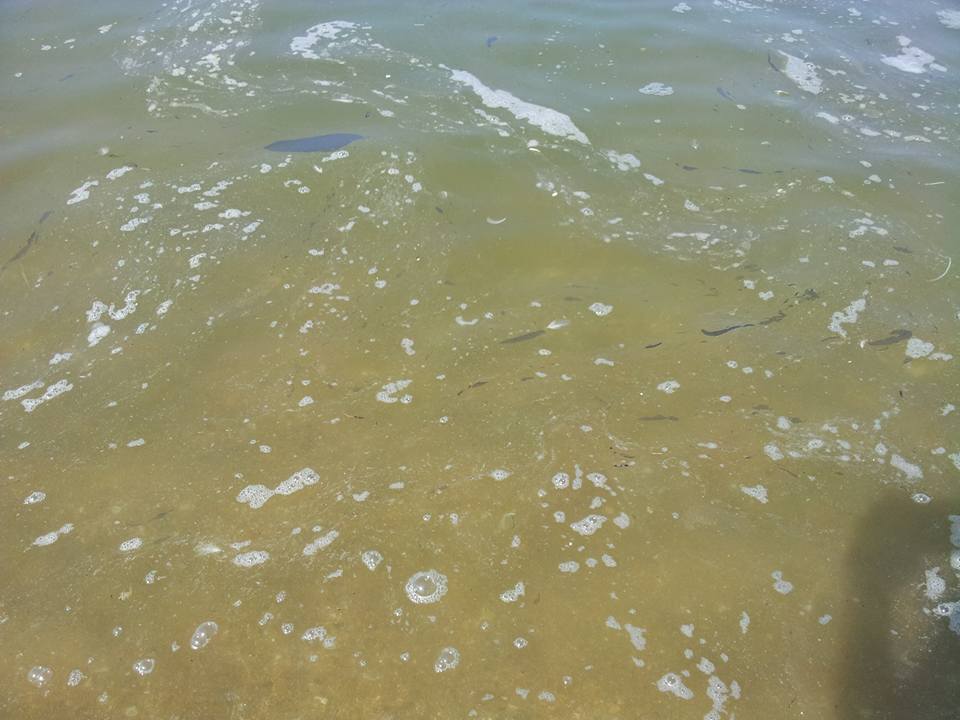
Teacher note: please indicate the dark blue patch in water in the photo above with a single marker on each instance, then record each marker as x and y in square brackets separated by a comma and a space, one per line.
[317, 143]
[491, 40]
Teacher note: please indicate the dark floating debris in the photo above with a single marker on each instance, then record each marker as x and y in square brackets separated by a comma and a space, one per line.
[491, 40]
[892, 339]
[521, 338]
[317, 143]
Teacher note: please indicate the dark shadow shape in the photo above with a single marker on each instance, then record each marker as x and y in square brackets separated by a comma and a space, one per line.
[914, 676]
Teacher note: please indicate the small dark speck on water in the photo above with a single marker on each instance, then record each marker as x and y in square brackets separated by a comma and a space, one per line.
[491, 40]
[316, 143]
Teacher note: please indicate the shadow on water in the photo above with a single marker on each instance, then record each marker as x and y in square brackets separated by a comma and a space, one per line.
[899, 663]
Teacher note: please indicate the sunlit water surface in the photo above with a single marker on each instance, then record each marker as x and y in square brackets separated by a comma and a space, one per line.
[611, 374]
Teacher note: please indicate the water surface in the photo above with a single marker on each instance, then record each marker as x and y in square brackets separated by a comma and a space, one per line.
[610, 375]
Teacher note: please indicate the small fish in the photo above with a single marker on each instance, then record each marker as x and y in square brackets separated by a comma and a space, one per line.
[521, 338]
[317, 143]
[749, 171]
[723, 331]
[770, 62]
[672, 418]
[491, 40]
[724, 94]
[892, 339]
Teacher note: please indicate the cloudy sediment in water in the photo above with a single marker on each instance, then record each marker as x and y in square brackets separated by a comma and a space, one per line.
[594, 360]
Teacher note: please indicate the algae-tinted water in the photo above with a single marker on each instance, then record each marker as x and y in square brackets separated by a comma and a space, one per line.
[612, 375]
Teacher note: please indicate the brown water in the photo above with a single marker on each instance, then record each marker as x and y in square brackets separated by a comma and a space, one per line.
[659, 384]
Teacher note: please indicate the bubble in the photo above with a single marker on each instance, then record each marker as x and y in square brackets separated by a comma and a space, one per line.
[144, 666]
[39, 675]
[203, 634]
[426, 586]
[75, 678]
[784, 587]
[513, 594]
[249, 559]
[314, 633]
[668, 386]
[448, 659]
[589, 525]
[371, 559]
[520, 643]
[37, 496]
[673, 683]
[500, 474]
[131, 544]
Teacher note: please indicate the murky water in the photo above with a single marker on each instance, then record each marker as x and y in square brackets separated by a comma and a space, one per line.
[610, 374]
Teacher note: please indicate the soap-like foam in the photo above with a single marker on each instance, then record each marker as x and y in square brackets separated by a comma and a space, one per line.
[548, 120]
[426, 586]
[256, 496]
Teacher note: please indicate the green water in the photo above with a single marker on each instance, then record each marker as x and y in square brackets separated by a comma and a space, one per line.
[635, 323]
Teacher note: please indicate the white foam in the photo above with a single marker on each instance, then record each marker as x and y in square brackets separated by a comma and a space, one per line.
[784, 587]
[426, 586]
[949, 18]
[848, 315]
[303, 45]
[673, 684]
[588, 525]
[773, 452]
[52, 391]
[82, 192]
[130, 545]
[256, 496]
[658, 89]
[513, 594]
[917, 348]
[623, 161]
[637, 639]
[600, 310]
[757, 492]
[119, 172]
[448, 659]
[550, 121]
[802, 73]
[371, 559]
[19, 392]
[249, 559]
[320, 543]
[388, 393]
[911, 59]
[911, 471]
[52, 537]
[668, 386]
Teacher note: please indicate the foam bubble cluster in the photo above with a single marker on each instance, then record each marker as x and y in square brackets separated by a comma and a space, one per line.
[448, 659]
[426, 586]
